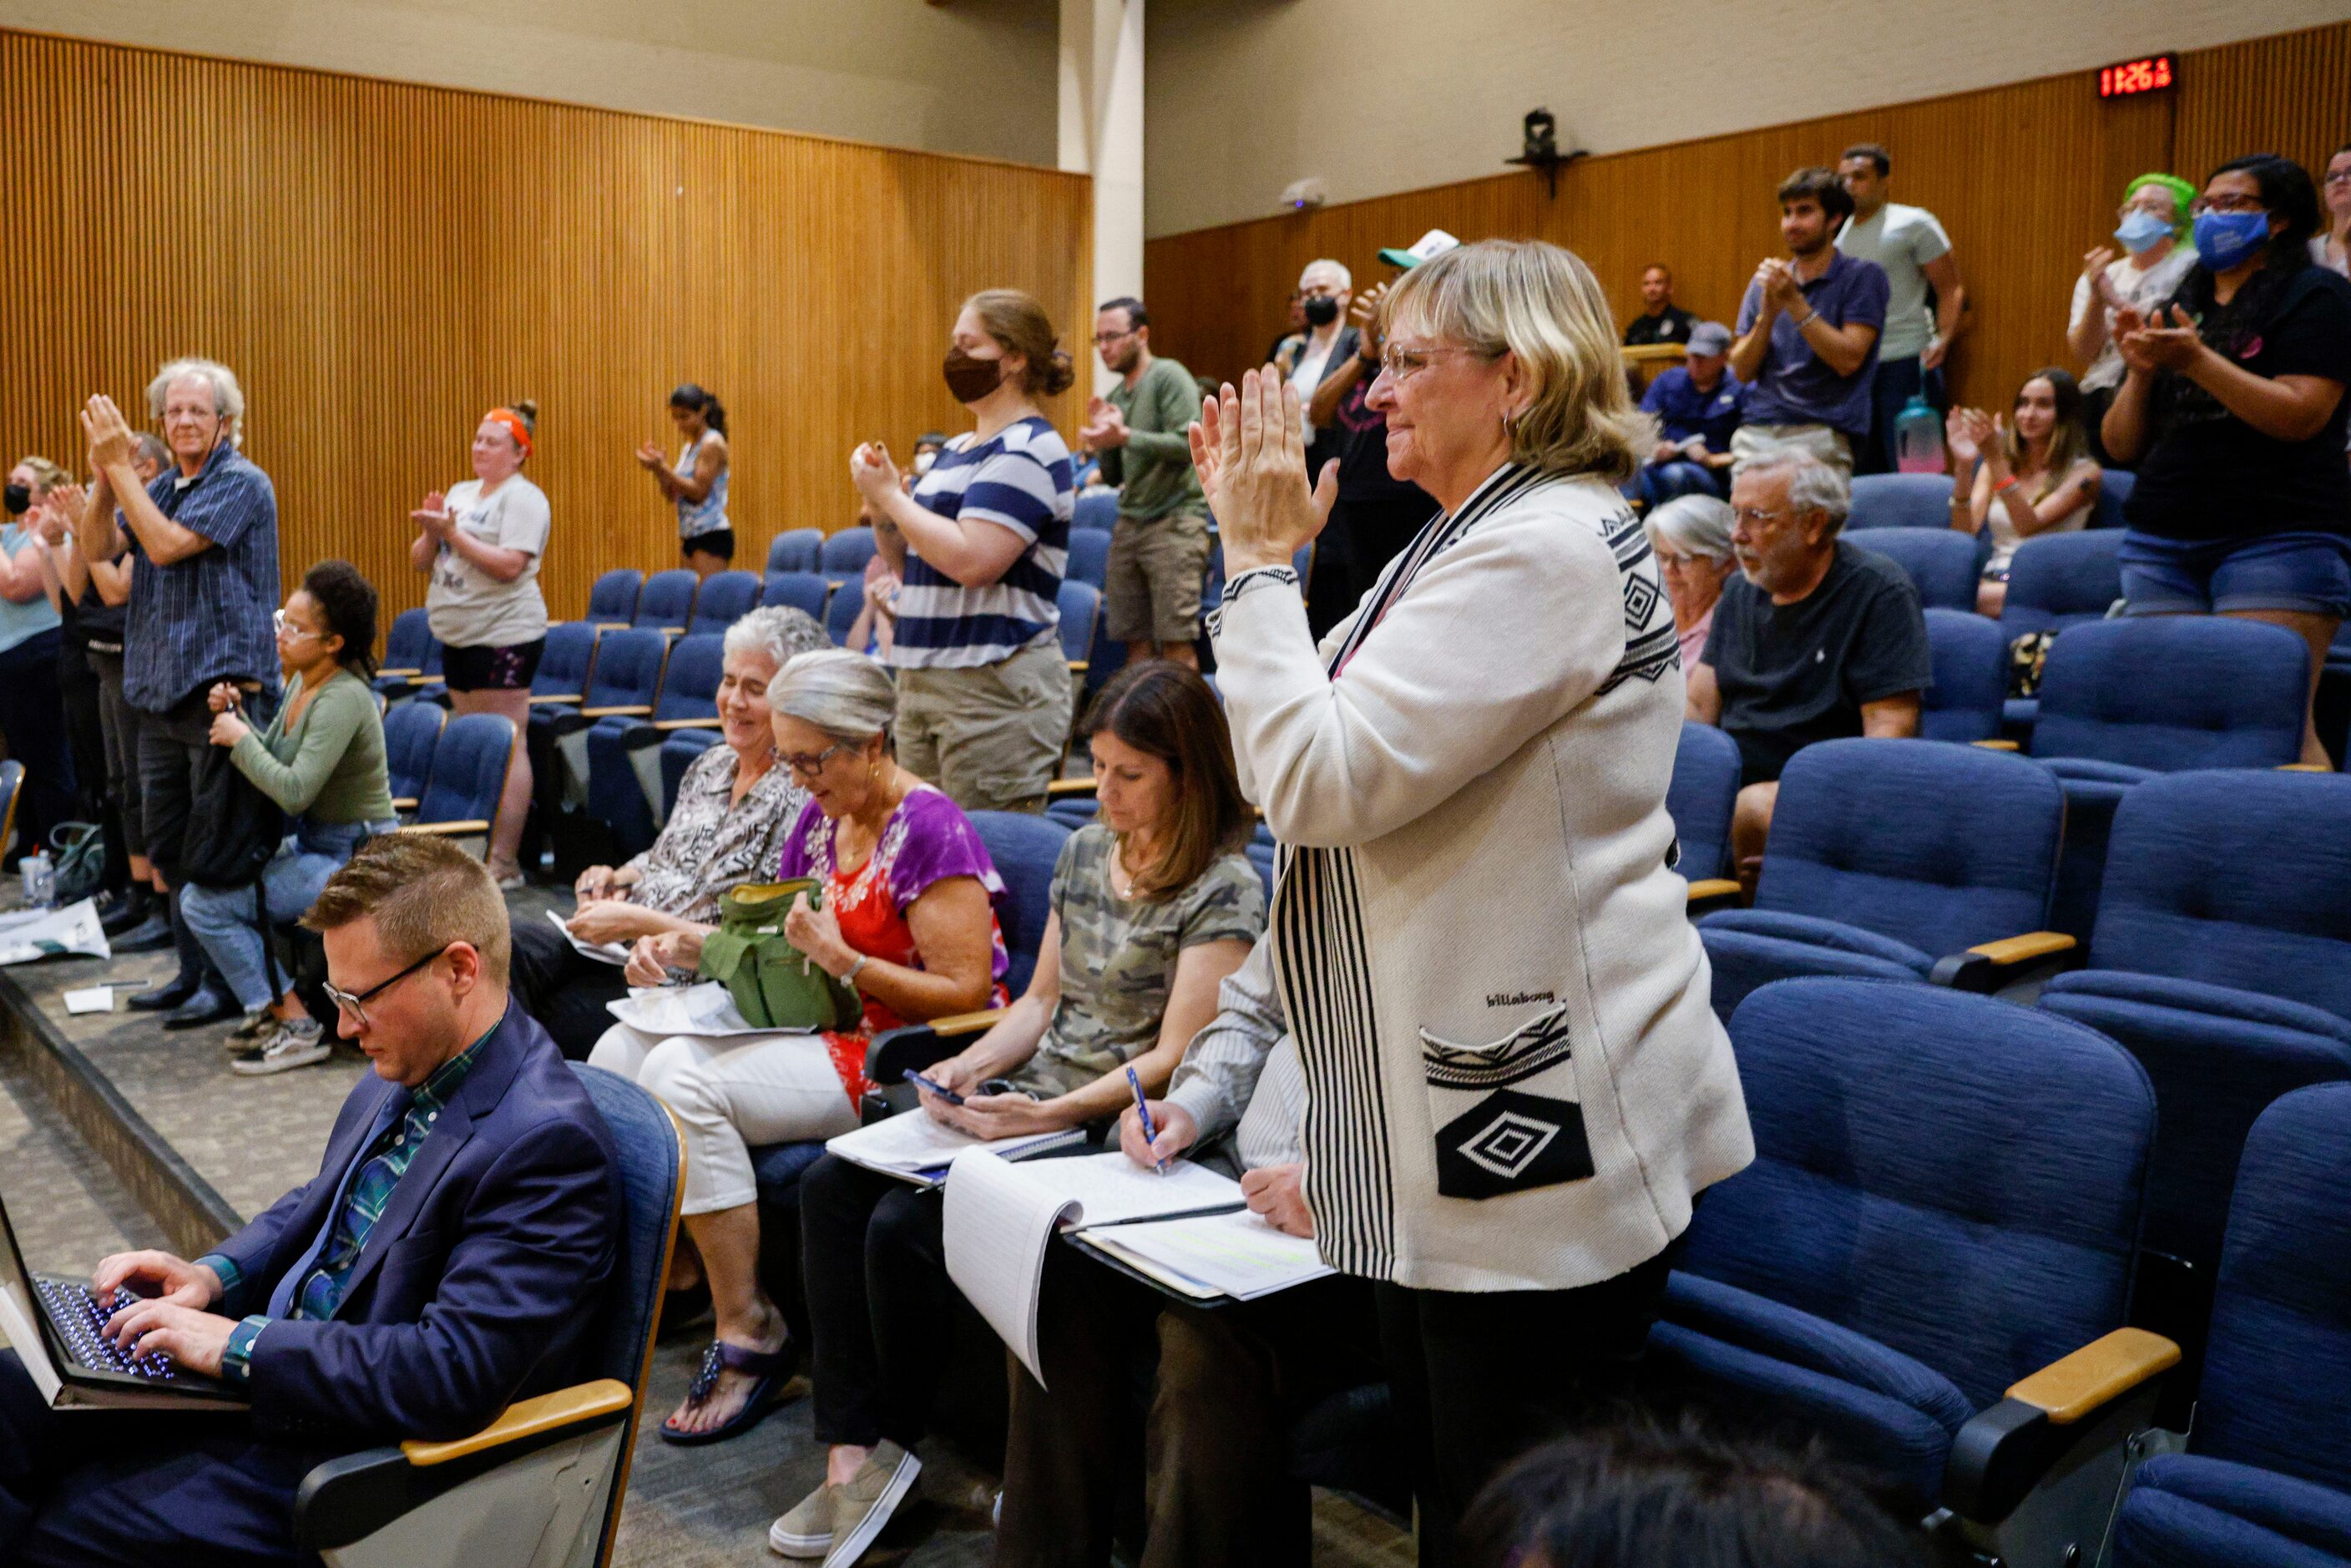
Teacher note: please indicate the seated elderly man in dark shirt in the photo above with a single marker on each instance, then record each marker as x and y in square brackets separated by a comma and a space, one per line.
[443, 1262]
[1815, 639]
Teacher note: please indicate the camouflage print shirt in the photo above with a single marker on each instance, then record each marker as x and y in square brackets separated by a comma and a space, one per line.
[1118, 956]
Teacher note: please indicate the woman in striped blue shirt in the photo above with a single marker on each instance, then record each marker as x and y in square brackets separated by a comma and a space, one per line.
[980, 545]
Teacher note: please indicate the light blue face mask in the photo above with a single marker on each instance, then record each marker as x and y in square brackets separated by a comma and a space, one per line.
[2142, 230]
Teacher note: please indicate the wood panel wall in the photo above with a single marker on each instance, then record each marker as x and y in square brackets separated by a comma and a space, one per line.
[379, 263]
[2026, 178]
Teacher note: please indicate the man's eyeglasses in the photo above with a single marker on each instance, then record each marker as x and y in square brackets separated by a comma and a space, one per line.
[808, 766]
[286, 628]
[1400, 364]
[1752, 516]
[1103, 337]
[353, 1003]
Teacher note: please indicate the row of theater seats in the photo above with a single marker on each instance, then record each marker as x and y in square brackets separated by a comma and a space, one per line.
[1924, 501]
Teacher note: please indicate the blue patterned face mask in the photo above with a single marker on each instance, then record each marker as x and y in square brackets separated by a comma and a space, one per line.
[2224, 240]
[2141, 230]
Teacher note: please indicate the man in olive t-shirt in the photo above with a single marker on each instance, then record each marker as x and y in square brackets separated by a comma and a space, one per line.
[1815, 638]
[1159, 551]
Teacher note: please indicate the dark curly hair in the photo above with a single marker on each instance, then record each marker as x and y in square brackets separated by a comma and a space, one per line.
[347, 600]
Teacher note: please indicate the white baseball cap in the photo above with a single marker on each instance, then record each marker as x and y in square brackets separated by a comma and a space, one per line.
[1427, 248]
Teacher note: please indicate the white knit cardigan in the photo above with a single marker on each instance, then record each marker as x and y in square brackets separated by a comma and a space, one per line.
[1515, 1080]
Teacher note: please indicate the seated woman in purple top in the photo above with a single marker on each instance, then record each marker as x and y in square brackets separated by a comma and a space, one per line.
[907, 919]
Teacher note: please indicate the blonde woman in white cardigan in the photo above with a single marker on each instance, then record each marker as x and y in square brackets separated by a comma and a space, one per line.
[1516, 1085]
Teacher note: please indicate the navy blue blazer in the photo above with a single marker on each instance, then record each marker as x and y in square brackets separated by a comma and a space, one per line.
[480, 1283]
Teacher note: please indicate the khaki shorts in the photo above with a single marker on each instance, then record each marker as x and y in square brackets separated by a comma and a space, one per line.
[1751, 444]
[991, 735]
[1151, 588]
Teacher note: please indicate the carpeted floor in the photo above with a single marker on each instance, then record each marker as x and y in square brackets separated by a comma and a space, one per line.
[253, 1138]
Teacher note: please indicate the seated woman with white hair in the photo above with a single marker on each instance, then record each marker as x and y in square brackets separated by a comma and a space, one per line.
[1690, 535]
[727, 828]
[907, 920]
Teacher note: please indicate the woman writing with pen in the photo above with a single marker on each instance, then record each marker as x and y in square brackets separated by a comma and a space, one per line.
[1153, 906]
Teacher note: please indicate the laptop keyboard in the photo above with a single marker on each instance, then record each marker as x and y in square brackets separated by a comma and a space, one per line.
[79, 1317]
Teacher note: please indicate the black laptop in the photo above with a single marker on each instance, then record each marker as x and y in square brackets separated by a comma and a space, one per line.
[57, 1326]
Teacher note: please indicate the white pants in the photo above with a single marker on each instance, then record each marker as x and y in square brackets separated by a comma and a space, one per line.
[731, 1094]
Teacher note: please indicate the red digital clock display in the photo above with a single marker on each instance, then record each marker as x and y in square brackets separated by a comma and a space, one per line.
[2132, 77]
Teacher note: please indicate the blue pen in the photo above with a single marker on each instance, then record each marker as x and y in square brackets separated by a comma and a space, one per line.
[1142, 1109]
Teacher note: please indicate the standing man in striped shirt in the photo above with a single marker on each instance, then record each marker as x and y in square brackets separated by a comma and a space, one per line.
[204, 585]
[980, 544]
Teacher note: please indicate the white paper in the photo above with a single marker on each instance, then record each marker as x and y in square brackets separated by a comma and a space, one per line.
[1001, 1218]
[1236, 1255]
[92, 999]
[917, 1146]
[613, 953]
[704, 1009]
[38, 934]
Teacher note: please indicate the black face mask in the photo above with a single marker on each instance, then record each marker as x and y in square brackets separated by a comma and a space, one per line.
[1322, 310]
[19, 498]
[971, 379]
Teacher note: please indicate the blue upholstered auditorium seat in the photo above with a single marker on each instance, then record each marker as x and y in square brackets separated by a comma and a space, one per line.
[1088, 555]
[666, 600]
[2123, 701]
[2056, 581]
[679, 749]
[1901, 501]
[1964, 702]
[1098, 511]
[805, 592]
[2221, 959]
[1024, 848]
[725, 597]
[410, 655]
[1940, 562]
[563, 664]
[840, 610]
[2114, 488]
[1081, 607]
[1891, 859]
[2266, 1481]
[612, 600]
[469, 772]
[620, 782]
[842, 557]
[1944, 1198]
[412, 732]
[795, 549]
[1699, 799]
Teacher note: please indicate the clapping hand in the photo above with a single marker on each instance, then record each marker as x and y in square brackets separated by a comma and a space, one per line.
[2095, 264]
[1105, 428]
[109, 435]
[1781, 290]
[2156, 345]
[1249, 447]
[1967, 430]
[871, 470]
[648, 458]
[1365, 314]
[435, 517]
[56, 514]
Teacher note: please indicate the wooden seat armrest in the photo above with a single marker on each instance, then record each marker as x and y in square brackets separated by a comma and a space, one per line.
[668, 723]
[404, 802]
[2076, 1385]
[1060, 787]
[402, 674]
[622, 709]
[1998, 745]
[1987, 966]
[554, 698]
[447, 830]
[1078, 666]
[967, 1023]
[1711, 887]
[2305, 768]
[528, 1418]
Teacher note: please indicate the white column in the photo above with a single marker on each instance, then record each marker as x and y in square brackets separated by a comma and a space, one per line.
[1101, 134]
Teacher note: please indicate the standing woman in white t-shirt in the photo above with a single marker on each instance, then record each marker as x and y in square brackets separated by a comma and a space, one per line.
[699, 484]
[482, 542]
[2152, 227]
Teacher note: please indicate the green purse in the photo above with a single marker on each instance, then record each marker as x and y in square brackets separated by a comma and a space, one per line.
[773, 983]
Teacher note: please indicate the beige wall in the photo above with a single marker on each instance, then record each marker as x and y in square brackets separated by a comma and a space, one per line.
[1380, 96]
[977, 76]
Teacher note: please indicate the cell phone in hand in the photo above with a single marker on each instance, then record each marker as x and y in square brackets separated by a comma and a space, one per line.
[941, 1090]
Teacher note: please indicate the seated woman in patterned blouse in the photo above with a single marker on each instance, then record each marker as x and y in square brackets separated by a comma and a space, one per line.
[727, 828]
[907, 919]
[1153, 906]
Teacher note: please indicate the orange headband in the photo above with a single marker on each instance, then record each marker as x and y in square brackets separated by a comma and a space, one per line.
[514, 425]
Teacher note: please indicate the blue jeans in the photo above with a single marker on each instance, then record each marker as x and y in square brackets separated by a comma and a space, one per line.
[2309, 573]
[1659, 483]
[223, 918]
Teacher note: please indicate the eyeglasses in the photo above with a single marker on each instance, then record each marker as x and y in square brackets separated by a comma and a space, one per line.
[1400, 364]
[806, 766]
[286, 628]
[2231, 204]
[1752, 515]
[1101, 337]
[351, 1002]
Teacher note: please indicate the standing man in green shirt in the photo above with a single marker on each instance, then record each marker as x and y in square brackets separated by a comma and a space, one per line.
[1159, 551]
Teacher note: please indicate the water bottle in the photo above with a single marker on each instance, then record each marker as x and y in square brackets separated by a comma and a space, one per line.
[40, 880]
[1918, 437]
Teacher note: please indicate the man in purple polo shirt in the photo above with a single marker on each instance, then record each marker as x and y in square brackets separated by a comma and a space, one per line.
[1808, 333]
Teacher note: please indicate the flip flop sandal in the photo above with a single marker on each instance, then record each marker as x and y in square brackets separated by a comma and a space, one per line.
[770, 1368]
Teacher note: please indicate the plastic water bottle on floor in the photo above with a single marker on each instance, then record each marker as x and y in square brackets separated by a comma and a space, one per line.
[1918, 437]
[40, 880]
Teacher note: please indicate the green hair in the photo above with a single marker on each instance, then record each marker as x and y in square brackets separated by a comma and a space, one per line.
[2183, 196]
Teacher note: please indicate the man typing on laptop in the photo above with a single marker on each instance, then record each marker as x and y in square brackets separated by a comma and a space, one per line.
[439, 1266]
